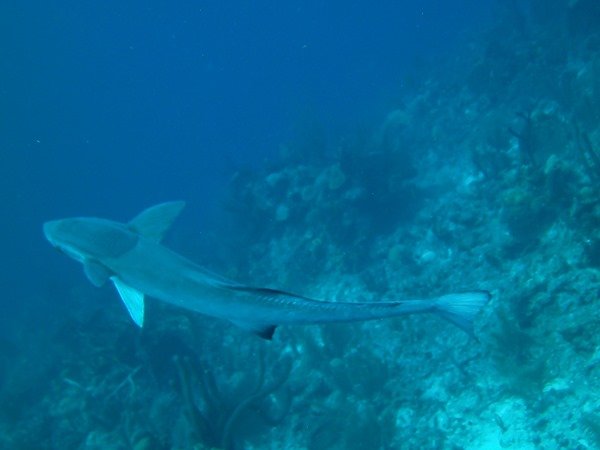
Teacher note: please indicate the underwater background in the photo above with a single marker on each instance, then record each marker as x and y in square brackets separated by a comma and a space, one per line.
[341, 150]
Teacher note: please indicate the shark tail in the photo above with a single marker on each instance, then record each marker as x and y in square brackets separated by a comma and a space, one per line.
[462, 308]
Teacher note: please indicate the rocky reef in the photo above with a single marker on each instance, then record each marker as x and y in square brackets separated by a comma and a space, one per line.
[486, 176]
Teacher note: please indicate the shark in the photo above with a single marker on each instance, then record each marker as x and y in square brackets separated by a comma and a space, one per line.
[131, 257]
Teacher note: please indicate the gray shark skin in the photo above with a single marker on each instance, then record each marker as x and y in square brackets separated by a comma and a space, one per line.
[131, 257]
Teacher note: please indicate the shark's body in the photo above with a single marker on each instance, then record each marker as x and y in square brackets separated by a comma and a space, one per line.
[131, 256]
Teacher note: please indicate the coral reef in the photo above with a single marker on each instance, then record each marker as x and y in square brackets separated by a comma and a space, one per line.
[485, 176]
[216, 422]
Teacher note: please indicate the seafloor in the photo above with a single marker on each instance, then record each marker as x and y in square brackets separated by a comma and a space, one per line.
[486, 176]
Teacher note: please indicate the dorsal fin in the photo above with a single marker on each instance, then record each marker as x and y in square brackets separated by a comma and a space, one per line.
[153, 222]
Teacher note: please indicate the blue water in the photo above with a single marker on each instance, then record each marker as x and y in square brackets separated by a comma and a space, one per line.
[110, 107]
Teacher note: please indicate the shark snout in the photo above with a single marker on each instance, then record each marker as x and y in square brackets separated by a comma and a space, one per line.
[49, 230]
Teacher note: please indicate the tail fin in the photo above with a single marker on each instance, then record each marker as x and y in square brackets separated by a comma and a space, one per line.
[461, 309]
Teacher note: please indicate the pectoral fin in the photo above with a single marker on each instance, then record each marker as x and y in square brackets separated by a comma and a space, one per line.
[96, 272]
[261, 330]
[133, 299]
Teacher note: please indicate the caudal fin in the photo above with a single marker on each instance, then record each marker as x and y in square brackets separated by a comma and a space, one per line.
[461, 309]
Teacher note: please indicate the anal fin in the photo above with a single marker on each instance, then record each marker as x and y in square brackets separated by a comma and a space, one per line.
[261, 330]
[133, 299]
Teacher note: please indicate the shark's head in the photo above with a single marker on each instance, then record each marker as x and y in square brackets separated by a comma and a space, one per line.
[85, 238]
[99, 243]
